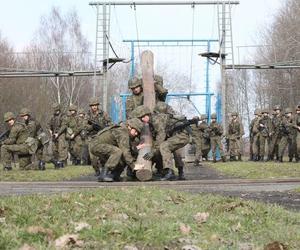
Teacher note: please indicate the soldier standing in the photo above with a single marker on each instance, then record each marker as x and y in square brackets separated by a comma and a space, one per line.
[197, 141]
[297, 127]
[203, 126]
[97, 120]
[18, 142]
[252, 133]
[265, 129]
[235, 134]
[288, 135]
[276, 134]
[256, 136]
[83, 124]
[112, 145]
[216, 131]
[57, 131]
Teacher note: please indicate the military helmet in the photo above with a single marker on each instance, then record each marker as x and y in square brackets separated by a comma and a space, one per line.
[203, 117]
[25, 111]
[134, 82]
[136, 124]
[234, 113]
[213, 116]
[161, 107]
[140, 111]
[93, 101]
[56, 107]
[277, 107]
[257, 112]
[288, 110]
[72, 107]
[9, 116]
[265, 111]
[81, 111]
[158, 79]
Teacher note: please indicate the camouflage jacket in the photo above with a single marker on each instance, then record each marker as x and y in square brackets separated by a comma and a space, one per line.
[117, 136]
[18, 134]
[57, 124]
[100, 118]
[265, 126]
[276, 123]
[132, 102]
[253, 126]
[235, 130]
[215, 129]
[288, 127]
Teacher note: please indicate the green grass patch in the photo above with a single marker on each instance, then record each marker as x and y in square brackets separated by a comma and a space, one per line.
[50, 174]
[258, 170]
[148, 218]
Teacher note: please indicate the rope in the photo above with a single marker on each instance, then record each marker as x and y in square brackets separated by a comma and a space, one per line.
[192, 48]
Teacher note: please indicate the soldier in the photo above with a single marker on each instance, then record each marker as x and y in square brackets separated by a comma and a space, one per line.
[97, 120]
[265, 129]
[297, 127]
[35, 131]
[215, 132]
[73, 135]
[235, 133]
[83, 124]
[256, 137]
[137, 98]
[276, 134]
[197, 141]
[112, 146]
[288, 135]
[253, 135]
[18, 142]
[57, 131]
[204, 136]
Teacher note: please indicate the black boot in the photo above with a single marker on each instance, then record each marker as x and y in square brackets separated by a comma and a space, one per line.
[214, 160]
[7, 167]
[42, 165]
[223, 158]
[181, 176]
[196, 163]
[169, 176]
[291, 159]
[55, 162]
[105, 176]
[60, 164]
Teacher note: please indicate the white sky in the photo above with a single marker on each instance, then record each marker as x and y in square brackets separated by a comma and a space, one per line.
[19, 19]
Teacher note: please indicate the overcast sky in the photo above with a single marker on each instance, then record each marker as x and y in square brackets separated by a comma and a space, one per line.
[20, 19]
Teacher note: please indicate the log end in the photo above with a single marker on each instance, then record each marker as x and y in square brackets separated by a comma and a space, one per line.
[144, 174]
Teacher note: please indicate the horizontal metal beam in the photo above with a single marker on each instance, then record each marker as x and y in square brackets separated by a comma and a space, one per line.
[170, 40]
[254, 66]
[179, 94]
[164, 2]
[48, 74]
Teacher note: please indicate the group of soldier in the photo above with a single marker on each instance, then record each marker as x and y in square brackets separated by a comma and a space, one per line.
[92, 138]
[271, 133]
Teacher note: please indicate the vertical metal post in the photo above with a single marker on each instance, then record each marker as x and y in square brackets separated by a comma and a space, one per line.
[207, 87]
[105, 59]
[132, 69]
[124, 107]
[96, 48]
[222, 65]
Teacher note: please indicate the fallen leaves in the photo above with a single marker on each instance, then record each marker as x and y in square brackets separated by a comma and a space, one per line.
[276, 245]
[184, 229]
[201, 217]
[78, 226]
[68, 240]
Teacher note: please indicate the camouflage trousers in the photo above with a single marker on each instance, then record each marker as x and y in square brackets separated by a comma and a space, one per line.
[298, 144]
[168, 147]
[8, 151]
[274, 145]
[235, 148]
[289, 141]
[215, 142]
[111, 156]
[198, 146]
[60, 149]
[256, 145]
[75, 147]
[264, 142]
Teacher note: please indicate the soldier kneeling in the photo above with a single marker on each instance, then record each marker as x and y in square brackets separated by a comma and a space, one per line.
[112, 146]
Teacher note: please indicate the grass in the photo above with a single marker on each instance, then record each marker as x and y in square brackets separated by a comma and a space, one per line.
[50, 174]
[148, 218]
[258, 170]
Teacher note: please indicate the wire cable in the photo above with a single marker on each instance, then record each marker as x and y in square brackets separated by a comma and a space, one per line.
[192, 47]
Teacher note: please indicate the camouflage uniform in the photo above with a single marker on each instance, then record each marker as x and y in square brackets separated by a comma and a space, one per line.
[276, 134]
[265, 128]
[134, 100]
[253, 134]
[256, 137]
[112, 146]
[57, 126]
[16, 143]
[297, 127]
[288, 135]
[215, 133]
[235, 133]
[83, 124]
[205, 139]
[97, 120]
[197, 141]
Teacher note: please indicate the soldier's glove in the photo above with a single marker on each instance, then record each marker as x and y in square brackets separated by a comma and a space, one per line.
[148, 156]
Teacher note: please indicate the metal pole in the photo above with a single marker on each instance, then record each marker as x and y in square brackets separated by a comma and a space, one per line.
[166, 2]
[105, 59]
[95, 61]
[222, 65]
[132, 60]
[207, 82]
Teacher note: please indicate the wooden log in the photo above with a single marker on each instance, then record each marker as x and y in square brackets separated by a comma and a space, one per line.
[143, 167]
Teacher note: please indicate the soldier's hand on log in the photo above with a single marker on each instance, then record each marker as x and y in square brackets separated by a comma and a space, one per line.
[140, 146]
[148, 156]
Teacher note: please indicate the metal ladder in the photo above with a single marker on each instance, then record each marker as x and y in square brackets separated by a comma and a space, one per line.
[225, 31]
[102, 49]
